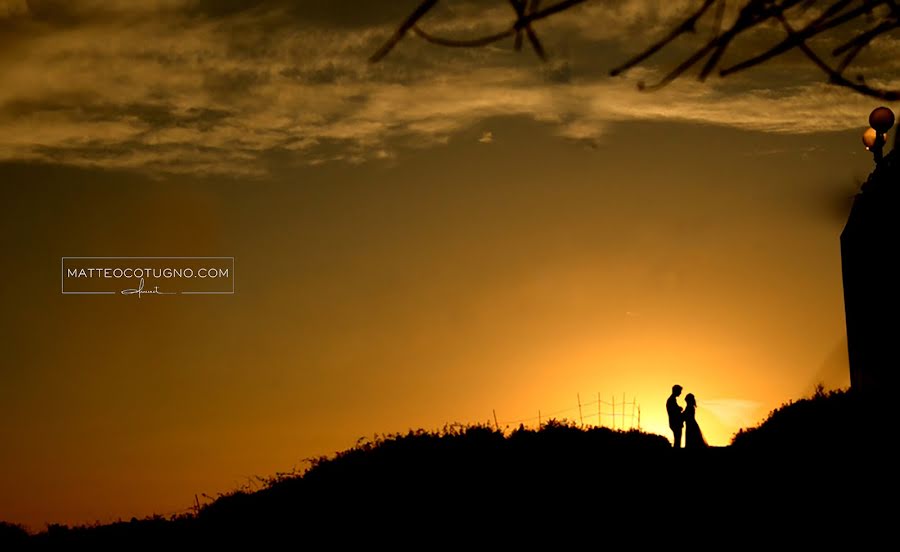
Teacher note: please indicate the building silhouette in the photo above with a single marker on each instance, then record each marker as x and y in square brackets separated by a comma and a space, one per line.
[870, 259]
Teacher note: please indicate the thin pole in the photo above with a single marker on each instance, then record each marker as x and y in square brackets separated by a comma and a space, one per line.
[633, 400]
[623, 410]
[580, 416]
[599, 411]
[539, 419]
[639, 417]
[614, 411]
[495, 418]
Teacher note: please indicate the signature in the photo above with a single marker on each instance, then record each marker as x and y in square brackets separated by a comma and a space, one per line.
[141, 291]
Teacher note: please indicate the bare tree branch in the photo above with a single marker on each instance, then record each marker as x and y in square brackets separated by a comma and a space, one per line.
[419, 12]
[752, 14]
[687, 26]
[836, 78]
[818, 26]
[865, 38]
[526, 13]
[473, 43]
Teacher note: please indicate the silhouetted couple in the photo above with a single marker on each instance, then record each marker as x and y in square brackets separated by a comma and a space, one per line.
[693, 437]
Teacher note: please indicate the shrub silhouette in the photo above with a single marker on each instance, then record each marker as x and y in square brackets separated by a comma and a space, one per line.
[12, 536]
[837, 419]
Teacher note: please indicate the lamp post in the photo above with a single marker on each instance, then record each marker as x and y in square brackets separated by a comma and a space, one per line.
[880, 121]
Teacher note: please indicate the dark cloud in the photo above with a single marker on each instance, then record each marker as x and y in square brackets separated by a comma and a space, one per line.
[143, 82]
[81, 108]
[326, 74]
[343, 14]
[225, 85]
[61, 13]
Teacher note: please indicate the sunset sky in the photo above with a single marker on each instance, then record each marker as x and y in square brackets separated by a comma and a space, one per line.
[417, 242]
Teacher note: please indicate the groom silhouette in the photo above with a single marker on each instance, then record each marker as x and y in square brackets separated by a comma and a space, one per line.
[675, 420]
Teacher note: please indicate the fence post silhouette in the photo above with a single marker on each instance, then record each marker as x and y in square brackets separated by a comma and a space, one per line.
[633, 403]
[614, 411]
[634, 416]
[599, 411]
[580, 416]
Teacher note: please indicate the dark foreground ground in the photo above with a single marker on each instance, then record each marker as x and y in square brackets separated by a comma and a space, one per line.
[817, 477]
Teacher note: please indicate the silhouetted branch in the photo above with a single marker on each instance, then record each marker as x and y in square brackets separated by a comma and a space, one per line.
[836, 78]
[755, 12]
[865, 38]
[687, 26]
[752, 14]
[818, 26]
[526, 12]
[472, 43]
[855, 46]
[423, 8]
[520, 6]
[720, 16]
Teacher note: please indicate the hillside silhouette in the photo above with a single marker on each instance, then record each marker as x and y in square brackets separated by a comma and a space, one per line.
[474, 480]
[821, 422]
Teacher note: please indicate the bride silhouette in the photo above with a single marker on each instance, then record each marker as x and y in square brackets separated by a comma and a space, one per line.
[693, 437]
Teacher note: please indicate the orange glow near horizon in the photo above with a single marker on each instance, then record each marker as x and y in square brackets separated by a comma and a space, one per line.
[661, 363]
[448, 308]
[505, 245]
